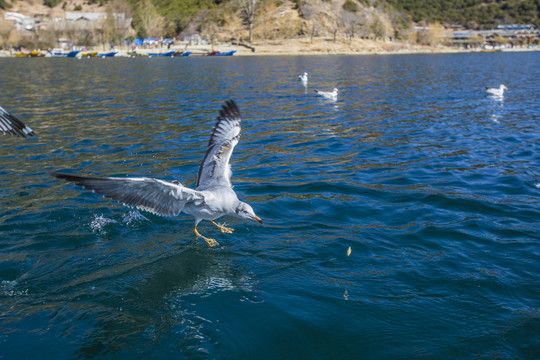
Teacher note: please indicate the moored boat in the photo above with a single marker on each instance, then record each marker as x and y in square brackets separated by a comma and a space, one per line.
[73, 53]
[59, 52]
[219, 53]
[88, 53]
[168, 53]
[107, 54]
[37, 53]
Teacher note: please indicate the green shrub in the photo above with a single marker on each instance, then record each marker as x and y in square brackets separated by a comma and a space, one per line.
[4, 5]
[51, 3]
[350, 5]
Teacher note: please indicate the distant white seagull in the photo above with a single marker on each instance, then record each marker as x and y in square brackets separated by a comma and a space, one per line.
[329, 95]
[213, 197]
[303, 78]
[497, 91]
[10, 125]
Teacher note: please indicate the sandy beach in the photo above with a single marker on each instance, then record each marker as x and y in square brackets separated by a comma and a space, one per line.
[329, 47]
[296, 47]
[320, 46]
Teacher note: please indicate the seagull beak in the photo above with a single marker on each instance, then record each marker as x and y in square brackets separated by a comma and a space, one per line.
[256, 218]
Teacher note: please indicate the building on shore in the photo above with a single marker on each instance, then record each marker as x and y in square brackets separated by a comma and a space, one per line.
[503, 36]
[75, 26]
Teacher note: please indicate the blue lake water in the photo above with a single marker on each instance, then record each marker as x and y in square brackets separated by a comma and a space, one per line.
[433, 184]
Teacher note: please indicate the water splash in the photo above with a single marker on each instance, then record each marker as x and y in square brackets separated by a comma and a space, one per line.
[134, 218]
[8, 288]
[100, 223]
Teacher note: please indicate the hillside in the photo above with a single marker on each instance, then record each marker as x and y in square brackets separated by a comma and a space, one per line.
[468, 13]
[270, 20]
[42, 7]
[474, 13]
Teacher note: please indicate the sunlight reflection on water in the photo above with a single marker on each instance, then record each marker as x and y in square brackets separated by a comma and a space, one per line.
[431, 183]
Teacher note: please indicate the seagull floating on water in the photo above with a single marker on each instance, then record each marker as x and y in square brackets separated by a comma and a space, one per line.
[213, 197]
[303, 78]
[329, 95]
[10, 125]
[497, 91]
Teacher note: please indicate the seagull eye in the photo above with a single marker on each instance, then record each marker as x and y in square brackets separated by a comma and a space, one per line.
[241, 211]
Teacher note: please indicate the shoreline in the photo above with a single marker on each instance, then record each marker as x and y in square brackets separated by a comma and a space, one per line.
[301, 47]
[399, 52]
[306, 47]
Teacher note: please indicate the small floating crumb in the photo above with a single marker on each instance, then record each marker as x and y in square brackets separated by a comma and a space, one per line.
[349, 251]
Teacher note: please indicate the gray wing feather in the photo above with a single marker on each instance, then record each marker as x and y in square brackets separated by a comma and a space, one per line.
[10, 125]
[156, 196]
[215, 168]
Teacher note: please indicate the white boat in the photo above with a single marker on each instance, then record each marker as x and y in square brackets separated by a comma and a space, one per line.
[59, 52]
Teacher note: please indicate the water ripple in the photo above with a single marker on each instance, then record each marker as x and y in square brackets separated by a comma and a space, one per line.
[432, 185]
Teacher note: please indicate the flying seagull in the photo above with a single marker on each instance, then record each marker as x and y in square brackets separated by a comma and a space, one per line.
[214, 196]
[10, 125]
[329, 95]
[497, 91]
[303, 78]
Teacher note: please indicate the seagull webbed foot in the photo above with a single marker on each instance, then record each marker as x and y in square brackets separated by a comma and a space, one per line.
[223, 229]
[209, 241]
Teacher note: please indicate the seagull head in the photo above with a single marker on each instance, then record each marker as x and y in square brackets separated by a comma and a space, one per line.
[335, 91]
[245, 211]
[502, 87]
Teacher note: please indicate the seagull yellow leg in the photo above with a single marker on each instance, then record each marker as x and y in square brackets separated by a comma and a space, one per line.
[223, 229]
[210, 242]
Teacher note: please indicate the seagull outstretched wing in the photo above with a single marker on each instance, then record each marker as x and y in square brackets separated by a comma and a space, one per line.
[215, 168]
[10, 125]
[156, 196]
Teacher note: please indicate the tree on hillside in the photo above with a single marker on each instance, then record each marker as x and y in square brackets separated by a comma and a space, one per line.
[247, 14]
[180, 13]
[115, 30]
[312, 14]
[110, 33]
[381, 27]
[209, 27]
[432, 35]
[9, 35]
[209, 31]
[350, 19]
[263, 18]
[377, 28]
[87, 37]
[151, 24]
[335, 24]
[401, 24]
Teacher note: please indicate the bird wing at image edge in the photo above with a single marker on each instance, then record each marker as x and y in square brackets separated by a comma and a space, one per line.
[9, 124]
